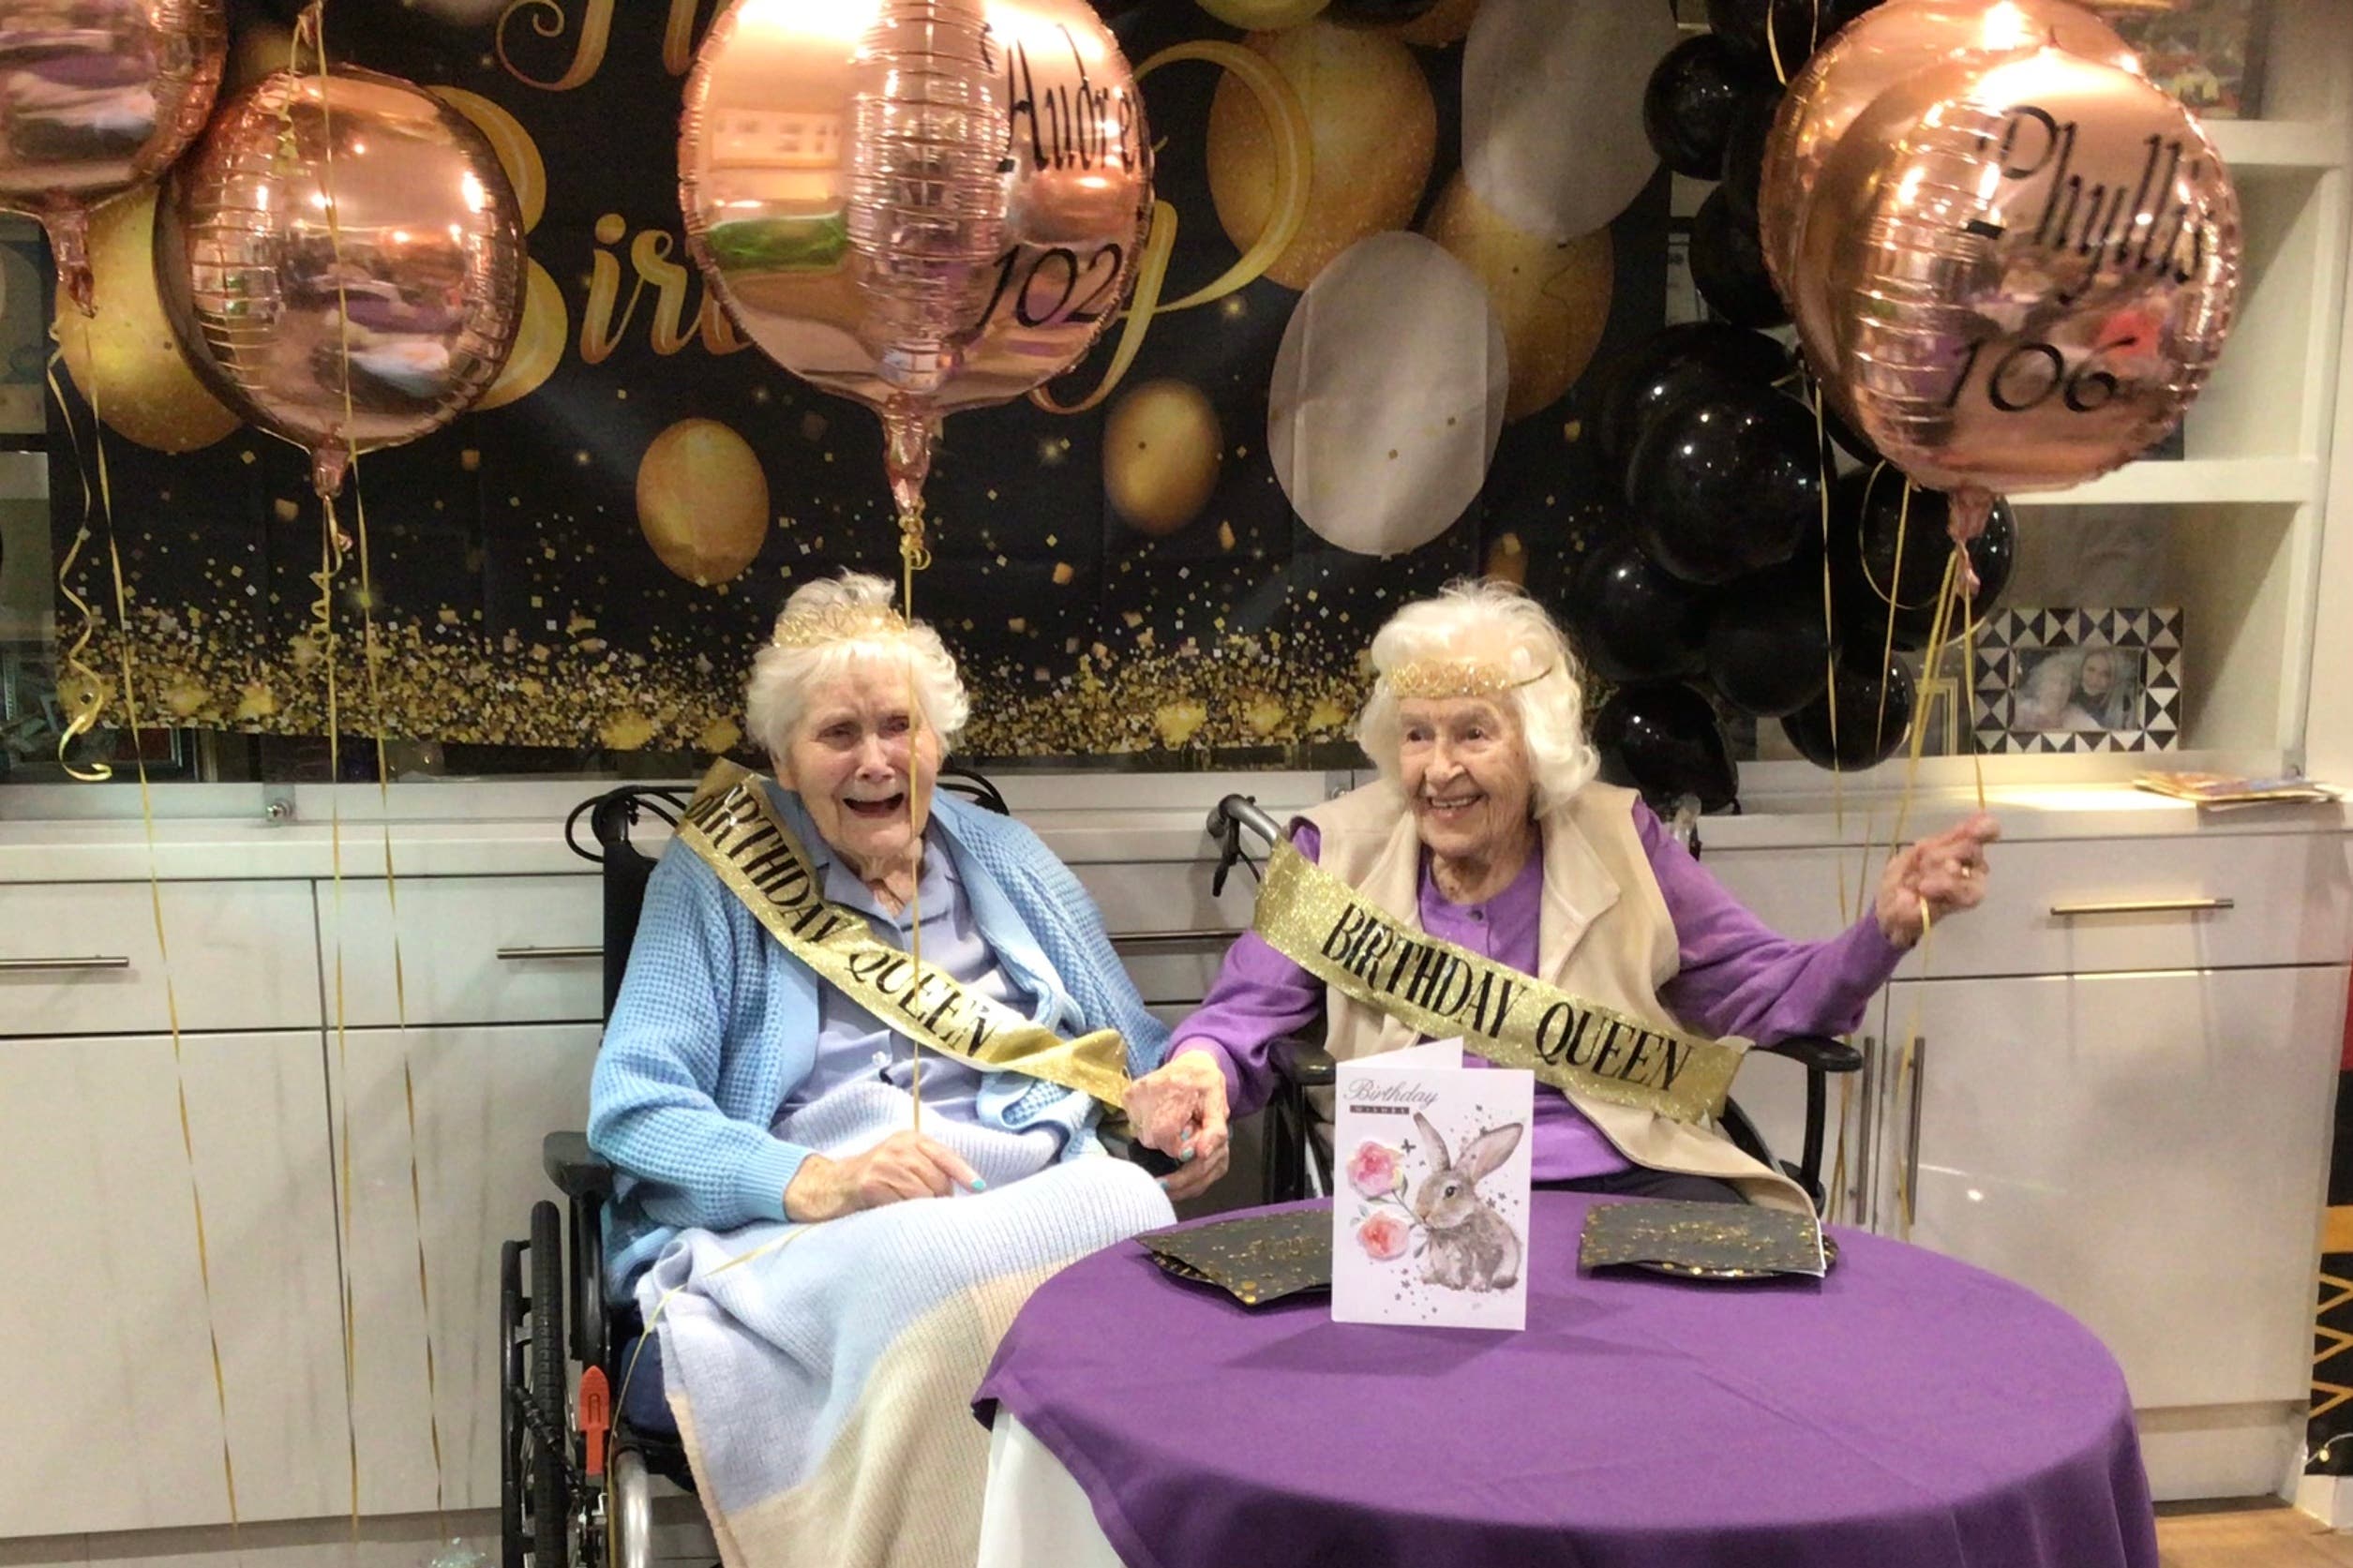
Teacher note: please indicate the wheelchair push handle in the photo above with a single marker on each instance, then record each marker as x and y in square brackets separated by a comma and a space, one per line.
[1226, 823]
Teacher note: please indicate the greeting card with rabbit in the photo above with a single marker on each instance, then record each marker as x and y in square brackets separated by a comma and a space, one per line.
[1429, 1214]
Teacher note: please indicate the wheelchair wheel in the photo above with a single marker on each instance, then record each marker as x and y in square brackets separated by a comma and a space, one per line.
[544, 1390]
[513, 1479]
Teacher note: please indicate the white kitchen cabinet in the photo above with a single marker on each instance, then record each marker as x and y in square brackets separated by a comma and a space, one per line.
[484, 1099]
[113, 1422]
[2150, 1151]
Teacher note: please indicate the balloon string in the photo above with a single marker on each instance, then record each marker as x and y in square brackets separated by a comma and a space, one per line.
[105, 502]
[914, 556]
[1835, 1196]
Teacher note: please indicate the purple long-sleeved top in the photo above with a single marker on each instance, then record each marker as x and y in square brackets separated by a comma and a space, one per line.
[1735, 975]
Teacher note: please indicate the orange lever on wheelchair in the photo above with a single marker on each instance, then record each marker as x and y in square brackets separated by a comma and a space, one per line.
[596, 1418]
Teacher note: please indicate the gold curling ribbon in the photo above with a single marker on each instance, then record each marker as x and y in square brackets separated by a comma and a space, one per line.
[1514, 1020]
[105, 499]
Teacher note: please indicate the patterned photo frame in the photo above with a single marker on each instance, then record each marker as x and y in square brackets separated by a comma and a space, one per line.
[2062, 681]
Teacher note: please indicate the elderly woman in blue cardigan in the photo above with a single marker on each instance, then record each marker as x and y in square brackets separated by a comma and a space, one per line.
[843, 1170]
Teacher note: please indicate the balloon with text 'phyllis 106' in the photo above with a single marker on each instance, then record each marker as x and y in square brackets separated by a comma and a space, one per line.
[1632, 620]
[1872, 708]
[1728, 266]
[1878, 50]
[1769, 643]
[2030, 269]
[1888, 556]
[1726, 481]
[1695, 96]
[101, 95]
[342, 260]
[1620, 397]
[1663, 741]
[922, 205]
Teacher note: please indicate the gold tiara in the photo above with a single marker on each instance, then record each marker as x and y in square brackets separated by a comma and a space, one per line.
[1439, 679]
[837, 623]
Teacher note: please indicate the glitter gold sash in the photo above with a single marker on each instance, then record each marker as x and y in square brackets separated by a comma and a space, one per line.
[1437, 989]
[731, 824]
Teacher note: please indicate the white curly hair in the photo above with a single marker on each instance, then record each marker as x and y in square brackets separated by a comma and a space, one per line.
[776, 693]
[1489, 622]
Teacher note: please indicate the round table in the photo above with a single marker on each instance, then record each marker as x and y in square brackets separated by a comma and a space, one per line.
[1907, 1409]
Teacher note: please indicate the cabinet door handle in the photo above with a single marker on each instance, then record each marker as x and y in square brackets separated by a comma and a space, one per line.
[2143, 906]
[59, 965]
[1911, 1139]
[523, 953]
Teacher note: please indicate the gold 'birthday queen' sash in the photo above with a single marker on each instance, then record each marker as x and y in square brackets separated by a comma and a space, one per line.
[733, 825]
[1437, 989]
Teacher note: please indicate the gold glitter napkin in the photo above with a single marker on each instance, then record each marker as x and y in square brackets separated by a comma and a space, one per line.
[1704, 1241]
[1256, 1259]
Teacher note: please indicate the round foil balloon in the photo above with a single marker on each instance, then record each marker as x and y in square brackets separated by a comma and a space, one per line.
[925, 205]
[1873, 53]
[342, 260]
[2030, 266]
[100, 95]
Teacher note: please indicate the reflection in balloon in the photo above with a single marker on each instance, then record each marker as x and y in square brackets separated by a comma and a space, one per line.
[342, 260]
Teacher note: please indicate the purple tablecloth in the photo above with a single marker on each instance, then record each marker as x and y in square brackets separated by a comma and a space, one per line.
[1909, 1411]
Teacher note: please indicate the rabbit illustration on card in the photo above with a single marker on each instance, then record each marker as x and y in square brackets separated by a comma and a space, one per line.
[1472, 1246]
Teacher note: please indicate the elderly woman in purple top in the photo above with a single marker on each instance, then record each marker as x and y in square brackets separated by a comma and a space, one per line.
[1488, 829]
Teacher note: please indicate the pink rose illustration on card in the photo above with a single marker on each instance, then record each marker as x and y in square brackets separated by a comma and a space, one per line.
[1374, 1170]
[1383, 1236]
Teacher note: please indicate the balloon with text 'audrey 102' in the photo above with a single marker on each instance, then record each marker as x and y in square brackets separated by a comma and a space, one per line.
[1695, 96]
[1634, 620]
[1726, 481]
[1621, 397]
[1860, 720]
[1664, 742]
[342, 260]
[1769, 642]
[1888, 555]
[921, 205]
[101, 95]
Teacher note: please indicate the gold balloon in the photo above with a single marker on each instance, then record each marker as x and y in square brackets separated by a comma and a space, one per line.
[1373, 130]
[1553, 300]
[1446, 22]
[702, 502]
[1264, 15]
[125, 360]
[1163, 449]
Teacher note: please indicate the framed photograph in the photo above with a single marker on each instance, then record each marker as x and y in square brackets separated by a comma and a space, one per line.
[2059, 680]
[2208, 53]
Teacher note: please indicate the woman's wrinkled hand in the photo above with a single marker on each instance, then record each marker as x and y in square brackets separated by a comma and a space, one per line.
[904, 1165]
[1179, 1108]
[1935, 879]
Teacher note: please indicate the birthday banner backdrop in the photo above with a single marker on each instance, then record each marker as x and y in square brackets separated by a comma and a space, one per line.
[1139, 559]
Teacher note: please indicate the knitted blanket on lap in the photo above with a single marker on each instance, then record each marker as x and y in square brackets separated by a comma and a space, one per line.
[822, 1374]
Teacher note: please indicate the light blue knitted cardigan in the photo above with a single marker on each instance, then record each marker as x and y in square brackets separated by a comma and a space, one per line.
[716, 1024]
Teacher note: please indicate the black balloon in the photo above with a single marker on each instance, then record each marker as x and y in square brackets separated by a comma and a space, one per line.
[1694, 95]
[1868, 516]
[1770, 641]
[1743, 168]
[1799, 27]
[1874, 716]
[1845, 436]
[1632, 620]
[1729, 266]
[1620, 397]
[1726, 481]
[1665, 741]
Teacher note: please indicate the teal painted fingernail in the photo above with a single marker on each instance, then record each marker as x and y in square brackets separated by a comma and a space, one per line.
[979, 1183]
[1185, 1158]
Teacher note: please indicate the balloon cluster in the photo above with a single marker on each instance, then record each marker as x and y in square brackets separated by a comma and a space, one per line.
[2010, 261]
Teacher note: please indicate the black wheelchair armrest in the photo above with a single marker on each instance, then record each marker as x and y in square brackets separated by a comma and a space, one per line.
[1817, 1053]
[576, 1169]
[1302, 1063]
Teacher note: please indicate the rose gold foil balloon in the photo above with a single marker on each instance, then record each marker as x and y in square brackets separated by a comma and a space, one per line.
[343, 261]
[2031, 267]
[1872, 54]
[96, 98]
[925, 205]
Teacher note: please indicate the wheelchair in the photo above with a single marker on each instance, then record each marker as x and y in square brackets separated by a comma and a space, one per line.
[578, 1458]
